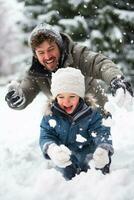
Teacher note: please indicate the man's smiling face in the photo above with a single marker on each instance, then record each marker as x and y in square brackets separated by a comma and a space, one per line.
[48, 54]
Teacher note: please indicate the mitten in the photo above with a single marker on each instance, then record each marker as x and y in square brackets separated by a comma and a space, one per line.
[100, 158]
[15, 97]
[120, 82]
[60, 155]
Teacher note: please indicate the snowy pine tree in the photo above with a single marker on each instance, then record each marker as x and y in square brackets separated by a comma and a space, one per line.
[106, 26]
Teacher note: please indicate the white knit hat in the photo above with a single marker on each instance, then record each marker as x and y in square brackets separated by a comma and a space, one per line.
[68, 80]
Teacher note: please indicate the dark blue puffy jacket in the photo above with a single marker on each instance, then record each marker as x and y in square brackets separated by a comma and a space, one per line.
[82, 133]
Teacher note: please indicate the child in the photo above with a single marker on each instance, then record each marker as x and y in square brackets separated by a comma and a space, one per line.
[73, 133]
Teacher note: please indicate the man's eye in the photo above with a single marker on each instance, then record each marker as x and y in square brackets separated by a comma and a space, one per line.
[40, 52]
[51, 49]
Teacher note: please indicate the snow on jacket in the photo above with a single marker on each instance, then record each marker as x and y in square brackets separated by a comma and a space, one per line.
[81, 133]
[92, 65]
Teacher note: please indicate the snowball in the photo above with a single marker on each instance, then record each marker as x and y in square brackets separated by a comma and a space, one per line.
[94, 134]
[80, 138]
[52, 122]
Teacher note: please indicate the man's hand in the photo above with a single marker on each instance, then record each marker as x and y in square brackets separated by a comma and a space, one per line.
[122, 92]
[60, 155]
[15, 97]
[120, 82]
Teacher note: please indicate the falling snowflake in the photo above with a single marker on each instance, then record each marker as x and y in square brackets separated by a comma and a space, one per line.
[80, 146]
[93, 134]
[102, 139]
[52, 123]
[110, 137]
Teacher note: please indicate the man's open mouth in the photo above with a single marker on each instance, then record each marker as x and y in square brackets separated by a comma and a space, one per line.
[50, 61]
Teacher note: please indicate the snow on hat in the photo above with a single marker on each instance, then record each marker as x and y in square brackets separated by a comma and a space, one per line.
[68, 80]
[46, 30]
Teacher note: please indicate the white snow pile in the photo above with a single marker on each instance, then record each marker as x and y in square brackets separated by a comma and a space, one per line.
[25, 175]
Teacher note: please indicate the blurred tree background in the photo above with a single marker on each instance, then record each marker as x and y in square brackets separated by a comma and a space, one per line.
[104, 26]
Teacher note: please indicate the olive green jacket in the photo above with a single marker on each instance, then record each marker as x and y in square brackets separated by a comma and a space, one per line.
[92, 65]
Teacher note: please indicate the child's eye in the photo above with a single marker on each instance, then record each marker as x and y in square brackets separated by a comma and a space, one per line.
[60, 97]
[72, 96]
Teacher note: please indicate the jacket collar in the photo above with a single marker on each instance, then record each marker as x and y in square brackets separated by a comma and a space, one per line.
[68, 45]
[81, 110]
[38, 70]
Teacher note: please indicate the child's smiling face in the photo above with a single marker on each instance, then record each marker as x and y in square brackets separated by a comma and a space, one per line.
[68, 101]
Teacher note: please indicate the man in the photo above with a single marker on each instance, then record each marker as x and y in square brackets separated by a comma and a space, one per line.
[53, 50]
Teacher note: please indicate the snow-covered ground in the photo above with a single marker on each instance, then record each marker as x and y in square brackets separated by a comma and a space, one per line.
[26, 176]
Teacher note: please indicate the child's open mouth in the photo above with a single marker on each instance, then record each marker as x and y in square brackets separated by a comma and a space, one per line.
[68, 109]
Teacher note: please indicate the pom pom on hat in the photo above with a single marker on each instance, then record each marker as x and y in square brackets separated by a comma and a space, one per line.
[68, 80]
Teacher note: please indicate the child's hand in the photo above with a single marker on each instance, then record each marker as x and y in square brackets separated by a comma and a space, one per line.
[100, 157]
[60, 155]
